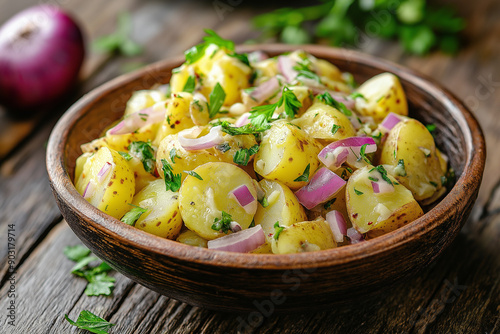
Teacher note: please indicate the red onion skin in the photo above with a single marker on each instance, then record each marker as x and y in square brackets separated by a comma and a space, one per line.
[39, 67]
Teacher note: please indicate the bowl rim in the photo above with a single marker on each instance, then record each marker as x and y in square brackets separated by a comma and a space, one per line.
[475, 161]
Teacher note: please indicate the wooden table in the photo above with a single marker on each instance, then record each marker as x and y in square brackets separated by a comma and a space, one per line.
[459, 293]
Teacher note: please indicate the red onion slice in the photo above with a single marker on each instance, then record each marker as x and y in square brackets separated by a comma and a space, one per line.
[266, 90]
[89, 190]
[137, 120]
[242, 242]
[243, 120]
[285, 66]
[329, 154]
[389, 122]
[234, 226]
[323, 186]
[337, 224]
[354, 236]
[245, 198]
[214, 137]
[104, 171]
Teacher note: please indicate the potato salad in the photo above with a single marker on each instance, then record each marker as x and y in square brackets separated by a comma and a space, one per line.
[268, 155]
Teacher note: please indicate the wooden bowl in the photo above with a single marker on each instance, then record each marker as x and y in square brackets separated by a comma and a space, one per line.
[267, 283]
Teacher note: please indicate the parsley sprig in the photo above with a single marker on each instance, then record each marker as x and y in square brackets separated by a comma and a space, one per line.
[223, 224]
[91, 322]
[119, 41]
[327, 99]
[131, 217]
[144, 152]
[242, 156]
[262, 115]
[172, 181]
[305, 176]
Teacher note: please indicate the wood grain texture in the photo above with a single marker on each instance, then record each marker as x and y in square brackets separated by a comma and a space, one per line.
[416, 305]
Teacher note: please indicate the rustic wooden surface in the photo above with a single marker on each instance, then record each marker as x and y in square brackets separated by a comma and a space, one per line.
[459, 293]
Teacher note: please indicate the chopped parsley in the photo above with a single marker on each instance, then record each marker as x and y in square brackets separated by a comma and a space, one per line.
[304, 70]
[371, 178]
[264, 202]
[133, 215]
[125, 155]
[328, 204]
[193, 174]
[362, 155]
[261, 115]
[252, 224]
[277, 230]
[382, 172]
[91, 322]
[223, 224]
[144, 152]
[190, 84]
[335, 128]
[434, 184]
[242, 156]
[242, 130]
[431, 127]
[305, 176]
[76, 253]
[327, 98]
[355, 95]
[243, 57]
[400, 168]
[357, 192]
[173, 155]
[224, 147]
[216, 98]
[172, 181]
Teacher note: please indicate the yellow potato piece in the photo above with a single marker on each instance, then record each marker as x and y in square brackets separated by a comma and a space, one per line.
[116, 189]
[162, 217]
[202, 201]
[143, 99]
[177, 117]
[382, 94]
[285, 152]
[377, 214]
[304, 236]
[189, 237]
[283, 207]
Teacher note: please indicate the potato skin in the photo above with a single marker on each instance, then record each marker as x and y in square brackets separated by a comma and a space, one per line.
[283, 207]
[285, 152]
[411, 142]
[377, 214]
[163, 217]
[304, 237]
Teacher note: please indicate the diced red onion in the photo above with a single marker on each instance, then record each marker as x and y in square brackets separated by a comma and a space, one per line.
[285, 66]
[336, 158]
[245, 198]
[353, 144]
[104, 171]
[266, 90]
[243, 120]
[389, 122]
[337, 224]
[214, 137]
[234, 226]
[322, 187]
[89, 190]
[242, 242]
[354, 235]
[137, 120]
[382, 187]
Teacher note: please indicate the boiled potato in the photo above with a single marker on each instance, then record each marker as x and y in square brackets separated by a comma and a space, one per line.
[178, 116]
[283, 207]
[189, 237]
[382, 94]
[377, 214]
[143, 99]
[307, 236]
[162, 217]
[266, 68]
[322, 121]
[112, 192]
[284, 154]
[142, 178]
[326, 69]
[411, 142]
[203, 201]
[266, 248]
[80, 163]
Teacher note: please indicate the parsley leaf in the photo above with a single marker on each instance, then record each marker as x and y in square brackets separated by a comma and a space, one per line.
[224, 147]
[362, 155]
[222, 224]
[357, 192]
[356, 95]
[213, 38]
[400, 168]
[241, 157]
[305, 175]
[91, 322]
[216, 97]
[327, 99]
[133, 215]
[328, 204]
[196, 52]
[277, 230]
[383, 173]
[190, 84]
[119, 41]
[173, 155]
[261, 115]
[99, 284]
[431, 127]
[335, 128]
[144, 152]
[193, 174]
[243, 57]
[264, 202]
[304, 70]
[76, 253]
[242, 130]
[125, 155]
[172, 181]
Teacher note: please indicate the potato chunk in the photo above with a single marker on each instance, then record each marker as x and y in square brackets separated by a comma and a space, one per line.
[305, 236]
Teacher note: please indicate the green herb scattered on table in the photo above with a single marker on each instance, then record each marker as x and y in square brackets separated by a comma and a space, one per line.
[119, 41]
[419, 26]
[91, 322]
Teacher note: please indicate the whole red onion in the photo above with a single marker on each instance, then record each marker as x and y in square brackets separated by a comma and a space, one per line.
[41, 52]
